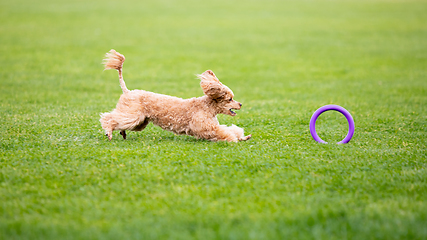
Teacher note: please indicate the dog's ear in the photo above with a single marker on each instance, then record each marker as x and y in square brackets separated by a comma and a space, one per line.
[208, 75]
[210, 85]
[212, 89]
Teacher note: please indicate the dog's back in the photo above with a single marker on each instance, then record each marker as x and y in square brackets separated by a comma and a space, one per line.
[168, 112]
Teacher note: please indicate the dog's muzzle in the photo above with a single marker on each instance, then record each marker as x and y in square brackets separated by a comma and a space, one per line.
[232, 112]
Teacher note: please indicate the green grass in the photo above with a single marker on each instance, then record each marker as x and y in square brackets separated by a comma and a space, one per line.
[60, 178]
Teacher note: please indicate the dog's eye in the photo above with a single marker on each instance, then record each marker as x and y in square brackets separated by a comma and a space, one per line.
[230, 99]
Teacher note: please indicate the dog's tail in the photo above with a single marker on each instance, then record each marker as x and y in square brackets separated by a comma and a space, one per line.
[115, 60]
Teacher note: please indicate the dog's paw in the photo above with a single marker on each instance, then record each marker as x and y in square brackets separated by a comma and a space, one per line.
[245, 138]
[109, 135]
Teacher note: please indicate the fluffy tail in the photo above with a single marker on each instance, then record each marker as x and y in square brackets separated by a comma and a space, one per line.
[115, 60]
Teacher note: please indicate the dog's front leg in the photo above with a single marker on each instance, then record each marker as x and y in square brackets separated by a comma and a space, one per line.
[229, 134]
[239, 132]
[210, 130]
[245, 138]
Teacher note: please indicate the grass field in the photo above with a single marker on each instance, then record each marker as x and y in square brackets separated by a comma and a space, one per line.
[60, 178]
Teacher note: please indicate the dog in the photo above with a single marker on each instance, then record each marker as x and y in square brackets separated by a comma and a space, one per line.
[195, 116]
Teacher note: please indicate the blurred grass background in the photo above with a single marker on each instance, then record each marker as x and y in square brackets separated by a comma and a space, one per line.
[61, 179]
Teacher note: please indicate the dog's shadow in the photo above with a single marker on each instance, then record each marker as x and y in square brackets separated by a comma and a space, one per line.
[157, 137]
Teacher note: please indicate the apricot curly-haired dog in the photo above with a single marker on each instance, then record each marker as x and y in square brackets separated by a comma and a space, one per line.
[195, 116]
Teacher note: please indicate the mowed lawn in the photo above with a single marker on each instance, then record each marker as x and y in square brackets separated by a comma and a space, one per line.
[60, 178]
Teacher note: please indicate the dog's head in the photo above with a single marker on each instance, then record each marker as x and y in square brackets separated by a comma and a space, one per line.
[221, 95]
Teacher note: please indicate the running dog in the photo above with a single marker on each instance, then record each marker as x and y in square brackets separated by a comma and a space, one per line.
[195, 116]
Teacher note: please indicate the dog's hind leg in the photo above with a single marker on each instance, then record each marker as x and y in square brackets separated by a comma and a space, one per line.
[108, 124]
[123, 133]
[109, 133]
[138, 128]
[110, 128]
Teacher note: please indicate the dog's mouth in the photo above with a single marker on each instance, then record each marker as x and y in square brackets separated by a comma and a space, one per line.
[232, 113]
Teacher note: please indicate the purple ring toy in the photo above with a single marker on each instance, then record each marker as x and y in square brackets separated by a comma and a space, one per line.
[340, 109]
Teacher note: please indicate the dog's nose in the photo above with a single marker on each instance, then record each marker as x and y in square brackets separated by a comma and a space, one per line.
[240, 104]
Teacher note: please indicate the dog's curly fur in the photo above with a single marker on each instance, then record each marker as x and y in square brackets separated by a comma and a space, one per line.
[194, 116]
